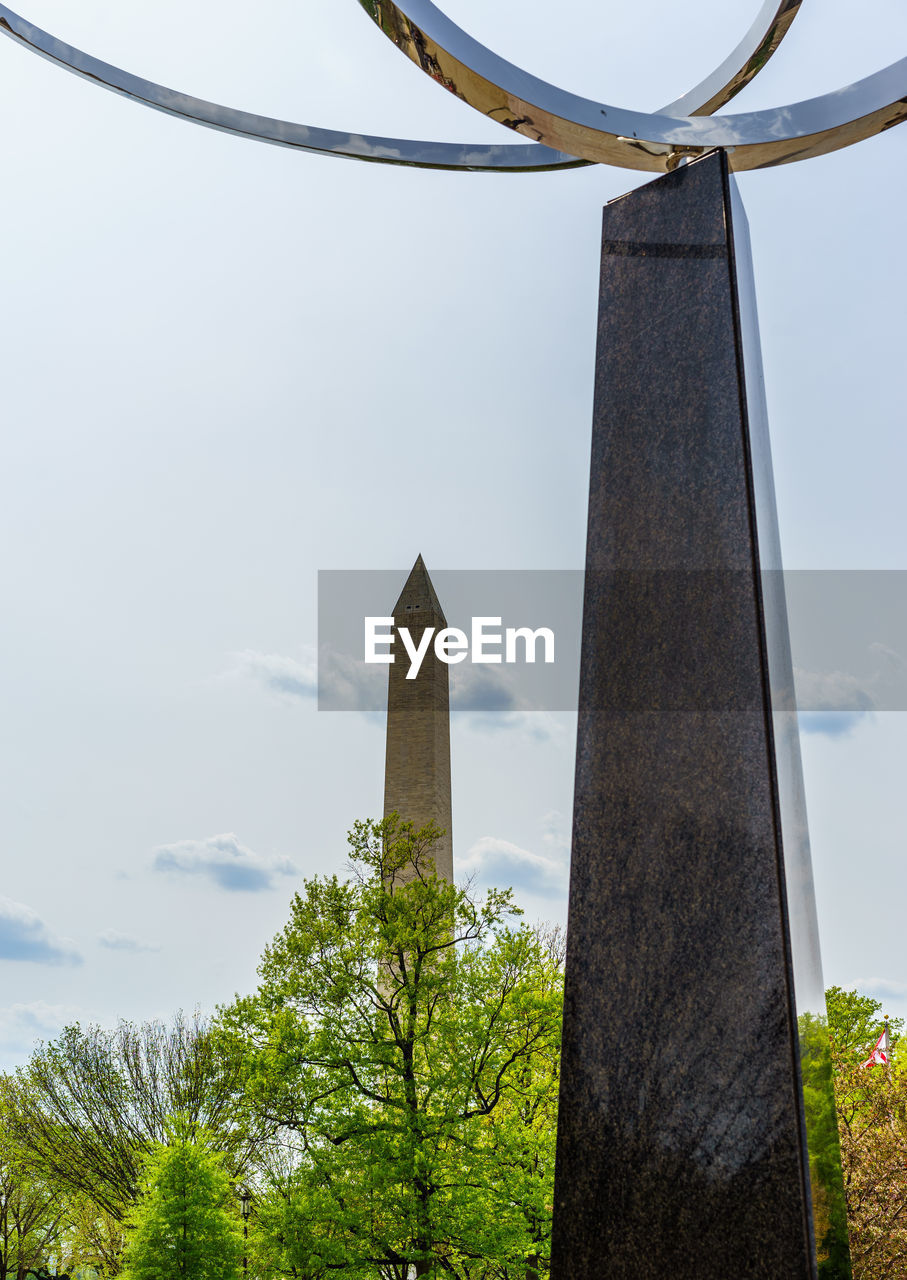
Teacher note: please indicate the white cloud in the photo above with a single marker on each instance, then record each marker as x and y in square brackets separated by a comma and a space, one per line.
[831, 691]
[498, 862]
[534, 726]
[22, 1025]
[25, 936]
[116, 941]
[835, 702]
[224, 860]
[480, 688]
[346, 683]
[881, 988]
[279, 674]
[555, 834]
[831, 703]
[339, 682]
[490, 699]
[890, 657]
[830, 724]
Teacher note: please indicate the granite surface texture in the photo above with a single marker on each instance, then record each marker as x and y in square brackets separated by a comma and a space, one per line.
[681, 1146]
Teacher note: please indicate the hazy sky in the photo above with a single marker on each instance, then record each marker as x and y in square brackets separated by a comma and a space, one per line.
[227, 366]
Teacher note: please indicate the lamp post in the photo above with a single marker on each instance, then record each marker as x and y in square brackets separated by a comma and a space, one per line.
[245, 1197]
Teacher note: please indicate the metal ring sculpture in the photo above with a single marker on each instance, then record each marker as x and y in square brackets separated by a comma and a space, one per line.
[566, 130]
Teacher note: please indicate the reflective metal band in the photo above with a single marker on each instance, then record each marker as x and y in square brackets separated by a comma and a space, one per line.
[760, 42]
[772, 23]
[633, 139]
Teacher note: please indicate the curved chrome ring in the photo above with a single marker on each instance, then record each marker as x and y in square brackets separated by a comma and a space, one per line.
[758, 45]
[633, 139]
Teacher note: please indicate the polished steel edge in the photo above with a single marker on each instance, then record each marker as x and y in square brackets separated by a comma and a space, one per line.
[771, 25]
[761, 40]
[527, 157]
[632, 139]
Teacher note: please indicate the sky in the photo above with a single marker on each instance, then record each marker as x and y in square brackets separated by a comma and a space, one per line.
[227, 366]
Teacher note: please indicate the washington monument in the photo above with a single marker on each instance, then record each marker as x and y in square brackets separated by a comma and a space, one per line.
[417, 759]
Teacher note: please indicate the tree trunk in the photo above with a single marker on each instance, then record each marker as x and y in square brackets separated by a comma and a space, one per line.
[532, 1266]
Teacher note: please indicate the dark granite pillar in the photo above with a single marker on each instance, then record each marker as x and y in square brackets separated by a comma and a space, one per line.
[681, 1149]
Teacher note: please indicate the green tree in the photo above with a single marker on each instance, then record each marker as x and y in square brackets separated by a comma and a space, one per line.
[872, 1120]
[94, 1238]
[90, 1104]
[32, 1217]
[826, 1176]
[183, 1226]
[855, 1023]
[404, 1039]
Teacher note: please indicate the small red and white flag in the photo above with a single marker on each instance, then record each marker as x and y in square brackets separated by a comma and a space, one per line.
[881, 1053]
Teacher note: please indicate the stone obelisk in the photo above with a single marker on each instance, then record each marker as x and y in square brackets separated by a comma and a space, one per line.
[681, 1139]
[417, 760]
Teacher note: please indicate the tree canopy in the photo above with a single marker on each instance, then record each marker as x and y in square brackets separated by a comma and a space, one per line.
[90, 1104]
[404, 1039]
[388, 1094]
[872, 1122]
[32, 1217]
[183, 1226]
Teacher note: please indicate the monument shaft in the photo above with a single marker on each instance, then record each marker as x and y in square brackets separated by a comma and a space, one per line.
[681, 1143]
[417, 759]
